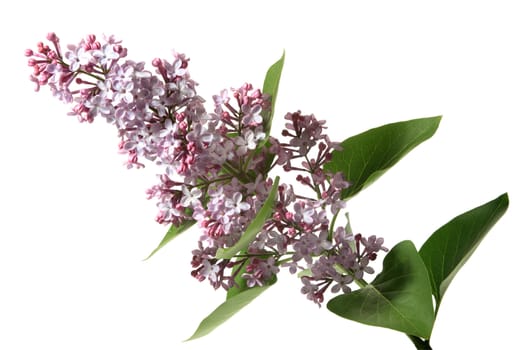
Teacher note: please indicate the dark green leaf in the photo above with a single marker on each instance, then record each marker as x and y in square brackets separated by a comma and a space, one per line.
[367, 156]
[271, 87]
[399, 298]
[226, 310]
[253, 228]
[445, 252]
[173, 232]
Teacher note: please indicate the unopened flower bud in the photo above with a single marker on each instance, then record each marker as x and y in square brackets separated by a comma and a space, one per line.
[156, 62]
[52, 37]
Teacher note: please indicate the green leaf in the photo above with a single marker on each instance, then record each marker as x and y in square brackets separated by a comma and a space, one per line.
[173, 232]
[399, 298]
[253, 228]
[367, 156]
[226, 310]
[447, 249]
[271, 87]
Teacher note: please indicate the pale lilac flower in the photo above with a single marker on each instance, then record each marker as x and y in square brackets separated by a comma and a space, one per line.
[338, 181]
[247, 142]
[107, 54]
[303, 142]
[221, 152]
[221, 99]
[304, 213]
[235, 204]
[191, 198]
[283, 155]
[170, 129]
[312, 291]
[78, 57]
[123, 84]
[252, 114]
[342, 282]
[98, 104]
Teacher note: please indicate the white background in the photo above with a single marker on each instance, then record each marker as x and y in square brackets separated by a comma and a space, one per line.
[75, 224]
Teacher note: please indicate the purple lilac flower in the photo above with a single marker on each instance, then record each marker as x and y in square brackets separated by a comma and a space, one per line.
[214, 169]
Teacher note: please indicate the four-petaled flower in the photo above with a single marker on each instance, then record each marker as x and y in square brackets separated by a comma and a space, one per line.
[191, 198]
[235, 204]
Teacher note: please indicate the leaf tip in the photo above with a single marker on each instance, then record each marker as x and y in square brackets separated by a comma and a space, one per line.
[151, 254]
[505, 198]
[437, 120]
[193, 337]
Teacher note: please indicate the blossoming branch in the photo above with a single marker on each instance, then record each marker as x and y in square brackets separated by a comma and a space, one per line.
[218, 170]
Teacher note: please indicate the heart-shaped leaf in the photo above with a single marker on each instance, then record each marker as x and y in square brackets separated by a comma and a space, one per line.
[253, 228]
[399, 298]
[226, 310]
[367, 156]
[445, 252]
[173, 232]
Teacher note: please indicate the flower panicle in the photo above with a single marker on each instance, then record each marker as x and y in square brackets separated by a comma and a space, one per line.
[215, 164]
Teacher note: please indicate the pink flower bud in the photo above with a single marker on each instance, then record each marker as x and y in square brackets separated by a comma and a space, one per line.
[41, 47]
[52, 37]
[156, 62]
[180, 116]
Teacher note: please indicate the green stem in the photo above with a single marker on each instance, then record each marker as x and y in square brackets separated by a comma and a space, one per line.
[231, 170]
[332, 224]
[361, 283]
[419, 343]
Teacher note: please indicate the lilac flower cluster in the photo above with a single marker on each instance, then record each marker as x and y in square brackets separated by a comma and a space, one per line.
[215, 165]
